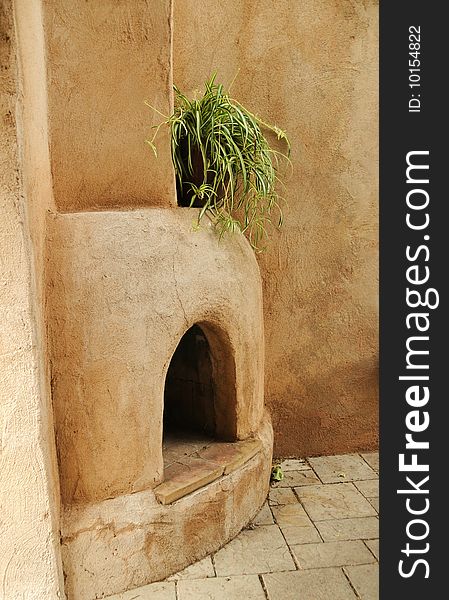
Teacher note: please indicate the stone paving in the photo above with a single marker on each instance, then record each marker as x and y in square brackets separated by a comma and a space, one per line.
[316, 538]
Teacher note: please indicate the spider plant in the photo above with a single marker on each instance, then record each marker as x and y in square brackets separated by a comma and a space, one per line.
[224, 163]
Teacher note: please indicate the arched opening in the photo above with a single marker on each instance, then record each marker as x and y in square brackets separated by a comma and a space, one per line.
[189, 396]
[199, 394]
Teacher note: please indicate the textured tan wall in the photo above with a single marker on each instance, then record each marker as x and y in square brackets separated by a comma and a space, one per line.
[310, 66]
[104, 60]
[30, 565]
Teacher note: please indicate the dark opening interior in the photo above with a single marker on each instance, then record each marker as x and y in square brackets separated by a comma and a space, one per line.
[189, 389]
[183, 190]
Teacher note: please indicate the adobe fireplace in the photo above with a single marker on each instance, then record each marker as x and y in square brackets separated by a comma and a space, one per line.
[156, 341]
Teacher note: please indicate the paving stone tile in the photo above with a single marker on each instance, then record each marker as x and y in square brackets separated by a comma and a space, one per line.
[373, 545]
[280, 496]
[164, 590]
[374, 503]
[295, 524]
[332, 554]
[258, 550]
[369, 488]
[339, 501]
[179, 446]
[264, 516]
[297, 478]
[301, 535]
[372, 458]
[362, 528]
[317, 584]
[186, 477]
[365, 579]
[222, 588]
[291, 514]
[231, 456]
[199, 570]
[345, 467]
[294, 464]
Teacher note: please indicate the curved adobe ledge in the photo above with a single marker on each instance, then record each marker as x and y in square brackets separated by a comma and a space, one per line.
[189, 473]
[125, 542]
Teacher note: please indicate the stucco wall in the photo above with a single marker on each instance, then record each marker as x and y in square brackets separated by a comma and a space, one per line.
[311, 67]
[104, 60]
[29, 538]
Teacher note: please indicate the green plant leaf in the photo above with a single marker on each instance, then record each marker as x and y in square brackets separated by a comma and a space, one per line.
[235, 178]
[276, 473]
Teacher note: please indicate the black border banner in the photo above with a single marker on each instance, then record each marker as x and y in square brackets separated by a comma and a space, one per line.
[414, 326]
